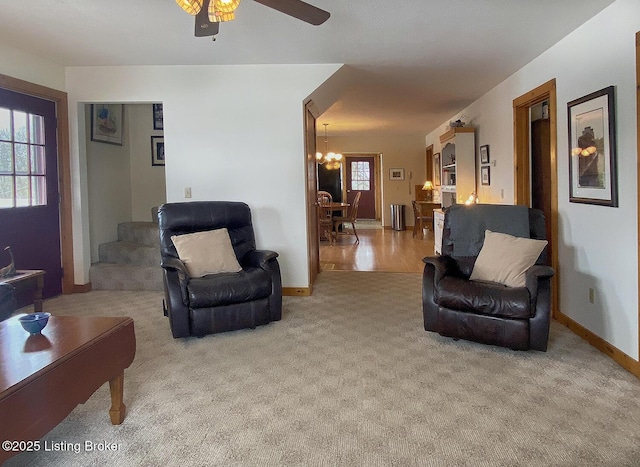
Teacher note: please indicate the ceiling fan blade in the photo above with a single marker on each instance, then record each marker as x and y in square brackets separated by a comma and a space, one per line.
[298, 9]
[204, 27]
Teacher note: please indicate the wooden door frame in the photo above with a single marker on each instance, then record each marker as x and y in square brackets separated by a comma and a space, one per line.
[428, 163]
[64, 169]
[311, 185]
[376, 178]
[637, 364]
[522, 165]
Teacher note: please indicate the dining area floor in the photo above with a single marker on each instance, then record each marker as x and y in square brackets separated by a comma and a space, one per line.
[382, 250]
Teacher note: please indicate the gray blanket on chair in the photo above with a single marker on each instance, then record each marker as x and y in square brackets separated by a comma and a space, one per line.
[468, 223]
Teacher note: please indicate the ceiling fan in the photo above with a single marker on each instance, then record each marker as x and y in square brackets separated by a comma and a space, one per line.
[210, 13]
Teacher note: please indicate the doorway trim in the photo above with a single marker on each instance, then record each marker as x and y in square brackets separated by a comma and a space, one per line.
[64, 170]
[636, 365]
[522, 164]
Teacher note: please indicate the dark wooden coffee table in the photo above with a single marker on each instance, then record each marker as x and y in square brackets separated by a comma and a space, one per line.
[28, 284]
[44, 377]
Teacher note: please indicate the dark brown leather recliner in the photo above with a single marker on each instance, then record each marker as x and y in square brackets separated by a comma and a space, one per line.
[218, 302]
[486, 312]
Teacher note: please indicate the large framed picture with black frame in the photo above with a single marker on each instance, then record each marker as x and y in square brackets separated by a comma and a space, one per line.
[593, 177]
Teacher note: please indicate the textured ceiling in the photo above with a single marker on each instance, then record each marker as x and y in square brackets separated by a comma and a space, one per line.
[408, 69]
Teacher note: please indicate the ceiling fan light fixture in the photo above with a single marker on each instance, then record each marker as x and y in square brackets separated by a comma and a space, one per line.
[192, 7]
[222, 10]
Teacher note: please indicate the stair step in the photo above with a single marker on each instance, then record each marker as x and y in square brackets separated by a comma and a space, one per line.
[129, 252]
[146, 233]
[112, 276]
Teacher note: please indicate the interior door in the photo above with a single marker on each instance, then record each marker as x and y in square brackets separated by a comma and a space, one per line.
[29, 201]
[360, 178]
[541, 175]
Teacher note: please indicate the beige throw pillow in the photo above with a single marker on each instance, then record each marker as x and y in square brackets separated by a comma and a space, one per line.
[208, 252]
[505, 258]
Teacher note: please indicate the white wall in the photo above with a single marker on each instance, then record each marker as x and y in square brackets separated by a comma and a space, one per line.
[597, 245]
[21, 65]
[122, 185]
[398, 151]
[109, 187]
[231, 133]
[148, 187]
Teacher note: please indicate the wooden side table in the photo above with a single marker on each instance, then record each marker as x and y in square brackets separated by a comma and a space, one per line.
[27, 282]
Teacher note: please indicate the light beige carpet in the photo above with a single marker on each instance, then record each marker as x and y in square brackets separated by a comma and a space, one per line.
[349, 378]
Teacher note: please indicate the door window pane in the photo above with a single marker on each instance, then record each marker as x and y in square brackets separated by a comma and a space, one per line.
[36, 133]
[6, 158]
[20, 126]
[5, 124]
[37, 160]
[6, 191]
[22, 191]
[22, 158]
[360, 176]
[38, 191]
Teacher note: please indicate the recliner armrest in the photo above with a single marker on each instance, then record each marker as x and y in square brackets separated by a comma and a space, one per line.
[257, 258]
[534, 275]
[443, 265]
[540, 272]
[174, 263]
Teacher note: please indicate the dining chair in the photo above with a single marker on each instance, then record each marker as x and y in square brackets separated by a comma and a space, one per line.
[420, 220]
[350, 218]
[325, 220]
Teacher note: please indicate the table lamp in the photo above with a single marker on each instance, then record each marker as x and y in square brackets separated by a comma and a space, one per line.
[428, 187]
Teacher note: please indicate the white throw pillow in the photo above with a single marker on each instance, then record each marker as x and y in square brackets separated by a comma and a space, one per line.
[505, 258]
[208, 252]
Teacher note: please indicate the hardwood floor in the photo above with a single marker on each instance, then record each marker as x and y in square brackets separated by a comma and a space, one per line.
[379, 250]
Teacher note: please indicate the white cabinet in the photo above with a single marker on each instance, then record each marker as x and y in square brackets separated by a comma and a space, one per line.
[458, 160]
[438, 225]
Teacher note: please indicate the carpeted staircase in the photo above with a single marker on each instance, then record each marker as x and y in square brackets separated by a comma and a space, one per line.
[130, 263]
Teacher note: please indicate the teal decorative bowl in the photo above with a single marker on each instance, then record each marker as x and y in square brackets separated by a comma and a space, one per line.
[34, 323]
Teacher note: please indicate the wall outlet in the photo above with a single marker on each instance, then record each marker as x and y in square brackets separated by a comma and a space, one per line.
[592, 295]
[187, 192]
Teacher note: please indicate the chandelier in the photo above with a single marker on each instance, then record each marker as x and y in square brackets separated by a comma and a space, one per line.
[218, 10]
[330, 160]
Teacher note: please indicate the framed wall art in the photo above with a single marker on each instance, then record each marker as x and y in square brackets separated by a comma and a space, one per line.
[158, 122]
[485, 175]
[592, 149]
[107, 123]
[157, 150]
[396, 174]
[484, 154]
[436, 169]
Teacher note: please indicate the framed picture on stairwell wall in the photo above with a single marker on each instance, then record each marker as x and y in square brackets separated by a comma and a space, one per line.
[157, 150]
[107, 123]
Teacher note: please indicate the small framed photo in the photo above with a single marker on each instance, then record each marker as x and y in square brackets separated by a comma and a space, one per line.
[592, 149]
[396, 174]
[485, 175]
[158, 123]
[484, 154]
[106, 123]
[157, 150]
